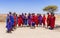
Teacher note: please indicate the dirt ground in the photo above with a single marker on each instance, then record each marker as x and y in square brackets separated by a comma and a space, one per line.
[27, 32]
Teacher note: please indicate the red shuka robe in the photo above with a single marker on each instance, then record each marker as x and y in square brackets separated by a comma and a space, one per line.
[36, 20]
[43, 20]
[15, 18]
[48, 20]
[52, 21]
[20, 21]
[33, 19]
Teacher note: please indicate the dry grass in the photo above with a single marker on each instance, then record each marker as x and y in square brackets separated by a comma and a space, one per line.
[2, 17]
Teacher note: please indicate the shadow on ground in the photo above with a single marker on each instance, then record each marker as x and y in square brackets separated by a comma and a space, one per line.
[57, 28]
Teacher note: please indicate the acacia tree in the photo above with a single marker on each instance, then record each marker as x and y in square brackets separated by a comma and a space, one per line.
[50, 9]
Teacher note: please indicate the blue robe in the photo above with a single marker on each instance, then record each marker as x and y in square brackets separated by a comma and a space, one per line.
[25, 20]
[8, 23]
[12, 21]
[9, 27]
[33, 23]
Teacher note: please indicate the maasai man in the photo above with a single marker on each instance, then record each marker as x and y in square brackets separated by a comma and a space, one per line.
[36, 20]
[25, 19]
[33, 20]
[48, 19]
[15, 20]
[52, 21]
[20, 20]
[44, 20]
[29, 19]
[40, 19]
[11, 20]
[8, 24]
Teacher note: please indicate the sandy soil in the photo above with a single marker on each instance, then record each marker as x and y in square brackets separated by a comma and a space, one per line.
[26, 32]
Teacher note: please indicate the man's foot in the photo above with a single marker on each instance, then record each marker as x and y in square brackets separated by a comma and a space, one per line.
[51, 28]
[9, 32]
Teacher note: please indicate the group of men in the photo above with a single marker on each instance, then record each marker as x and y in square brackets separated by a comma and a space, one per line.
[30, 20]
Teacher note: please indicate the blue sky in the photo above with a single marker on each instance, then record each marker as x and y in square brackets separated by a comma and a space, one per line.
[26, 6]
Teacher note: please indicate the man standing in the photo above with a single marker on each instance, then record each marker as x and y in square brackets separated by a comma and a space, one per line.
[33, 20]
[11, 20]
[48, 20]
[29, 19]
[44, 20]
[36, 20]
[52, 22]
[8, 24]
[40, 19]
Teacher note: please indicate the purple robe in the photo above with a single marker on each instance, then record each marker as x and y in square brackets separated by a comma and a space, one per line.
[40, 20]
